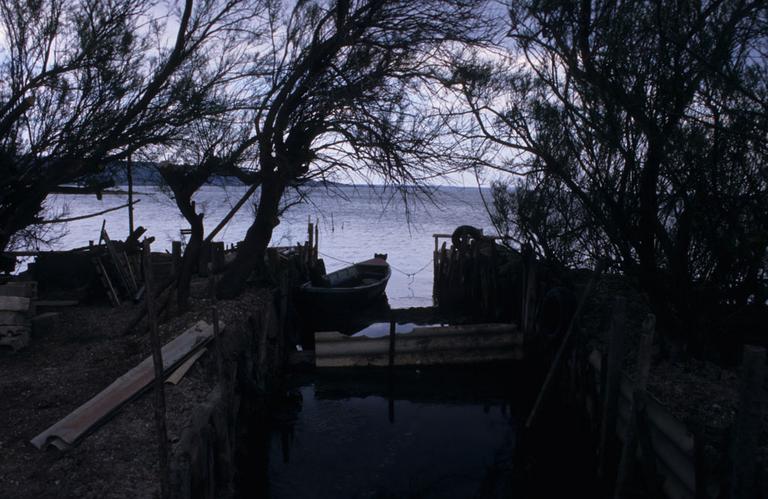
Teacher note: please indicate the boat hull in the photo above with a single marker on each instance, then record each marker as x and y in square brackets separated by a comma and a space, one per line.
[353, 287]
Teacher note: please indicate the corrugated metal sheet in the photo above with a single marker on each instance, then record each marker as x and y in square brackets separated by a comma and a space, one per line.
[82, 420]
[672, 442]
[14, 303]
[439, 345]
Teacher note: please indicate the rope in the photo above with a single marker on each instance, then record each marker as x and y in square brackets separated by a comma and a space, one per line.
[407, 274]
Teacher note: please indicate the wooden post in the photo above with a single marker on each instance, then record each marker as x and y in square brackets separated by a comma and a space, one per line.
[203, 258]
[743, 451]
[643, 371]
[176, 256]
[218, 347]
[435, 270]
[317, 240]
[130, 195]
[647, 454]
[217, 256]
[391, 343]
[529, 290]
[211, 274]
[613, 381]
[159, 382]
[561, 350]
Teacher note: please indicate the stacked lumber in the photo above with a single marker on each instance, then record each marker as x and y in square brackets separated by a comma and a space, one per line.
[16, 311]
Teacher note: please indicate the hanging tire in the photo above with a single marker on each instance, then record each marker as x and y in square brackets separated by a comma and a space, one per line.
[464, 234]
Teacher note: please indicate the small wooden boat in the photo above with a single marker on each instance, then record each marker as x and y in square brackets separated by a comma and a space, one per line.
[354, 286]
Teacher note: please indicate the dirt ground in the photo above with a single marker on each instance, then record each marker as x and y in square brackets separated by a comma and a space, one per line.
[70, 363]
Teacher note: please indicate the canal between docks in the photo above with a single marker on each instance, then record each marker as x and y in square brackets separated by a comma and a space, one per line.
[427, 433]
[437, 432]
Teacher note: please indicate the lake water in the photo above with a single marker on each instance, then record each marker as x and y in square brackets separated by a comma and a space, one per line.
[354, 223]
[439, 434]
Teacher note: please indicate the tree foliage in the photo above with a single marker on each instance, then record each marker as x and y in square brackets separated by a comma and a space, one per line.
[87, 82]
[342, 88]
[653, 117]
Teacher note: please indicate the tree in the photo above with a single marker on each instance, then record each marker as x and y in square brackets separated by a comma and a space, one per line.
[84, 83]
[653, 116]
[540, 211]
[344, 89]
[210, 150]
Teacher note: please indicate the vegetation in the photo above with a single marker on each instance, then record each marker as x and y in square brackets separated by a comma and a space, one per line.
[84, 83]
[343, 87]
[640, 127]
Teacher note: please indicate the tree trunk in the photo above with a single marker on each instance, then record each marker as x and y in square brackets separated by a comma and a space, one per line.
[250, 254]
[183, 188]
[191, 255]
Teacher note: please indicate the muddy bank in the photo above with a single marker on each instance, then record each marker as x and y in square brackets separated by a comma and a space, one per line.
[81, 354]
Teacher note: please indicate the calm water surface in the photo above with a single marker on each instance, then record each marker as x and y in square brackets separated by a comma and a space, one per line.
[354, 221]
[351, 435]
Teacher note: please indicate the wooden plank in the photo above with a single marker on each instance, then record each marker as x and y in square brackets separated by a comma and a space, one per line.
[57, 303]
[14, 319]
[27, 289]
[119, 264]
[180, 371]
[106, 281]
[429, 358]
[14, 303]
[95, 411]
[423, 346]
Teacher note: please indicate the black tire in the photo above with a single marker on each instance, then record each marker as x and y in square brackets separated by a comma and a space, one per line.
[465, 233]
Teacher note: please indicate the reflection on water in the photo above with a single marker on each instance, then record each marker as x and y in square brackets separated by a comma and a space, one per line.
[358, 435]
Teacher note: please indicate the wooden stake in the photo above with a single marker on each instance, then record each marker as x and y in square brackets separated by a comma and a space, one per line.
[561, 350]
[391, 342]
[232, 212]
[743, 473]
[176, 256]
[647, 454]
[218, 347]
[616, 352]
[317, 241]
[157, 360]
[630, 437]
[130, 194]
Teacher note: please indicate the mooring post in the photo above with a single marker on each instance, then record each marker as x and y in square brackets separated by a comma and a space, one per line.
[391, 342]
[176, 256]
[613, 381]
[743, 473]
[435, 269]
[218, 347]
[529, 290]
[129, 175]
[212, 273]
[157, 360]
[630, 435]
[317, 241]
[391, 380]
[647, 453]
